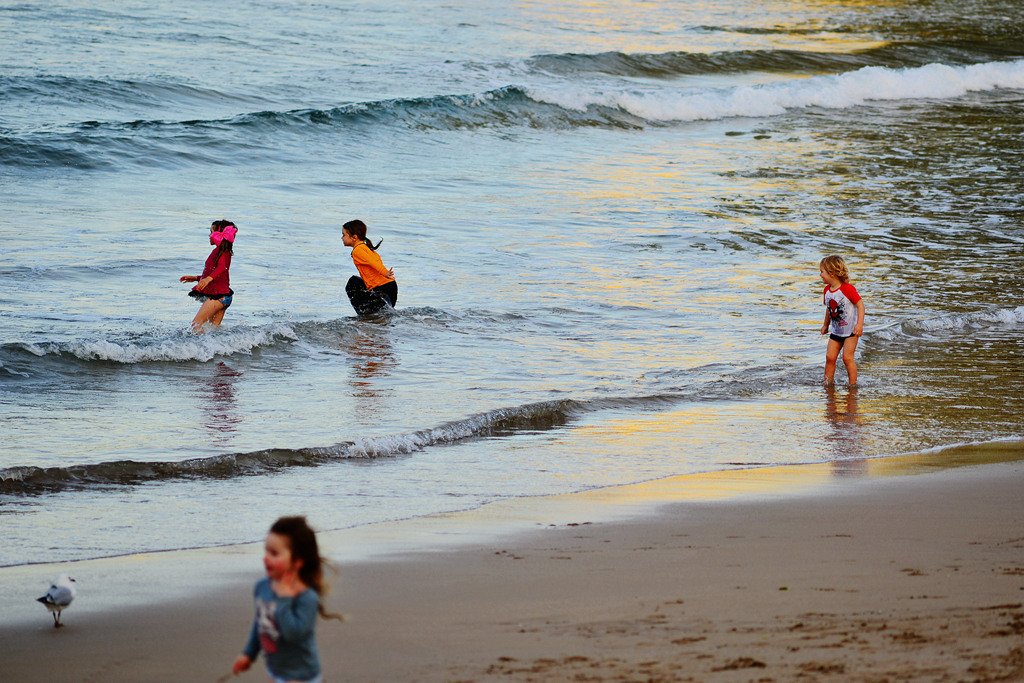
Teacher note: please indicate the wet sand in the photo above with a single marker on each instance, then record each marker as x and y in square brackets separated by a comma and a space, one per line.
[871, 578]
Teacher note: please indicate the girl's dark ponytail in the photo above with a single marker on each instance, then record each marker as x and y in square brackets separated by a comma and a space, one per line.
[357, 228]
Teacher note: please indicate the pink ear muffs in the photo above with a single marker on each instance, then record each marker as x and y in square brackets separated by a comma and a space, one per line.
[228, 233]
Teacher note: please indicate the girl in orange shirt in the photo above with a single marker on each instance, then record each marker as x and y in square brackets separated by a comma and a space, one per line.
[377, 288]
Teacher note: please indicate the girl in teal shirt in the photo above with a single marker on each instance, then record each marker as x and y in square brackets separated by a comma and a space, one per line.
[287, 603]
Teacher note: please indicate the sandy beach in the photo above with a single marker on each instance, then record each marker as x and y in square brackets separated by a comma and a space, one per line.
[913, 577]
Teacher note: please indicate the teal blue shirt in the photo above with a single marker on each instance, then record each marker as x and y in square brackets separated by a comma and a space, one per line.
[284, 631]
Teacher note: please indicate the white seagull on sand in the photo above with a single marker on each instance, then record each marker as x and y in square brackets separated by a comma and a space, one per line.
[60, 595]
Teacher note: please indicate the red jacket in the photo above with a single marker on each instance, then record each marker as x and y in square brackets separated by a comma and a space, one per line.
[218, 270]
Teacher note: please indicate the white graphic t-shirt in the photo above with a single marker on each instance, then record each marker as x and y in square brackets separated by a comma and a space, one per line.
[842, 309]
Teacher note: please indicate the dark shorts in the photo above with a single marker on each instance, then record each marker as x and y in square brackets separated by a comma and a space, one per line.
[366, 301]
[841, 340]
[224, 299]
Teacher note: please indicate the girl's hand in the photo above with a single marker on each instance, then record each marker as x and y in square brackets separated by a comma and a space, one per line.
[824, 329]
[391, 273]
[189, 278]
[242, 663]
[858, 330]
[202, 284]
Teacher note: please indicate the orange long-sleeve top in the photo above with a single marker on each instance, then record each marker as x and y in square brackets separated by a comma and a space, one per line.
[369, 265]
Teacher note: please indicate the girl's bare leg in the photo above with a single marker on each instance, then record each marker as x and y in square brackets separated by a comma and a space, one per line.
[851, 365]
[831, 355]
[208, 313]
[218, 316]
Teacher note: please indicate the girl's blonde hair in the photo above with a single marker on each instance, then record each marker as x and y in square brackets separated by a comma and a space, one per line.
[836, 267]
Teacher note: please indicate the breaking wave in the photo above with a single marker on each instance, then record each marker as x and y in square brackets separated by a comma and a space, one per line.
[546, 415]
[562, 104]
[174, 347]
[996, 317]
[851, 89]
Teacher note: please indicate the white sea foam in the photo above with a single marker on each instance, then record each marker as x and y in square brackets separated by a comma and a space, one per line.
[408, 443]
[840, 91]
[1000, 317]
[174, 348]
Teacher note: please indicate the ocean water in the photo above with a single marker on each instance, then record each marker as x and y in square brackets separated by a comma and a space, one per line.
[605, 219]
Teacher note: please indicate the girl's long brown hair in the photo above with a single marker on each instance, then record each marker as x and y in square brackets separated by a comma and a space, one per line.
[303, 544]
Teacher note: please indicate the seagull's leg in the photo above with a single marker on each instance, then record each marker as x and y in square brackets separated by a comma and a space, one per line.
[56, 619]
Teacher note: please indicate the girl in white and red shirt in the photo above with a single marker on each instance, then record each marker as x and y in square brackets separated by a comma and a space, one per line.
[844, 317]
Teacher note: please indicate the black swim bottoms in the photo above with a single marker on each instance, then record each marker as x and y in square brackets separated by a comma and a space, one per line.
[366, 301]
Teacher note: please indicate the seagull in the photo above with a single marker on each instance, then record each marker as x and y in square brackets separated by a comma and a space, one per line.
[60, 595]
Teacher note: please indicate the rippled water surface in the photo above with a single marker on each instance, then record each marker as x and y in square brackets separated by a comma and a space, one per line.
[605, 220]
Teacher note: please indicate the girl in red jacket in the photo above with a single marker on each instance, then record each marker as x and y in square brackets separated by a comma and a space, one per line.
[212, 287]
[376, 289]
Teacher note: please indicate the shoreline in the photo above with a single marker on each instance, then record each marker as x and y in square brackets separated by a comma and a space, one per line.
[670, 578]
[771, 480]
